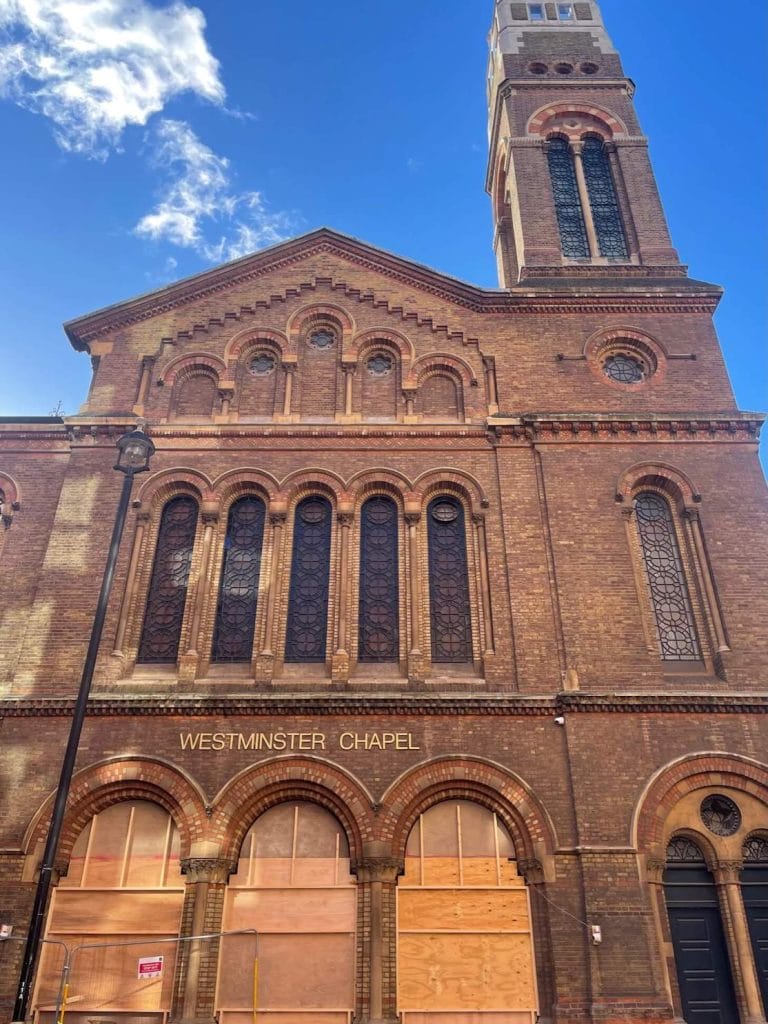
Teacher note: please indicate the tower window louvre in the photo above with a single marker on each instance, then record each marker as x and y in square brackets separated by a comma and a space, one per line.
[602, 200]
[671, 603]
[570, 216]
[238, 593]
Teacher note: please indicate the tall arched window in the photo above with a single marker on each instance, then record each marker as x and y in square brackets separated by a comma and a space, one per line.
[239, 590]
[754, 886]
[167, 598]
[293, 885]
[379, 592]
[124, 885]
[602, 200]
[464, 944]
[675, 625]
[570, 216]
[448, 582]
[698, 939]
[306, 634]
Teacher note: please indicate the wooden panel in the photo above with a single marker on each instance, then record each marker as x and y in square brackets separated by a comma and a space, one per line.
[441, 871]
[458, 1017]
[105, 979]
[296, 972]
[467, 972]
[265, 1017]
[110, 913]
[291, 910]
[468, 909]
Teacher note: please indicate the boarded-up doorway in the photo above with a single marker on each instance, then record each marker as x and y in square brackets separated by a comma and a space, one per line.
[465, 949]
[294, 887]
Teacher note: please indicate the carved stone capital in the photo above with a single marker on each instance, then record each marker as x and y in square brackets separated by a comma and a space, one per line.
[207, 869]
[278, 518]
[728, 872]
[378, 869]
[345, 518]
[655, 868]
[532, 870]
[412, 517]
[693, 515]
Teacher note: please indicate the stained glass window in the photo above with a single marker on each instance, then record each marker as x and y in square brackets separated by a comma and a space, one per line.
[379, 601]
[570, 217]
[168, 588]
[238, 594]
[305, 639]
[756, 850]
[682, 850]
[624, 369]
[448, 582]
[664, 570]
[602, 200]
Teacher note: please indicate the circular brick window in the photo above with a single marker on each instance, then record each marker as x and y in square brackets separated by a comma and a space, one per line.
[380, 365]
[588, 68]
[322, 338]
[564, 68]
[627, 362]
[538, 68]
[624, 368]
[721, 815]
[262, 364]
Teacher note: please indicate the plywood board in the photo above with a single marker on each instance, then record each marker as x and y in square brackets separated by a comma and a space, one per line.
[116, 913]
[265, 1017]
[289, 911]
[460, 1017]
[468, 972]
[465, 909]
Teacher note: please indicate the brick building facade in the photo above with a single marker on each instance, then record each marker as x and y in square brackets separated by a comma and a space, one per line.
[437, 639]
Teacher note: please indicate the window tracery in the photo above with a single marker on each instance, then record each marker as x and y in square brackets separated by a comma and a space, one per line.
[238, 593]
[164, 615]
[602, 200]
[570, 216]
[306, 632]
[448, 582]
[379, 593]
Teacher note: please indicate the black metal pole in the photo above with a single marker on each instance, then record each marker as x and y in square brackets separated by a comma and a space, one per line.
[32, 948]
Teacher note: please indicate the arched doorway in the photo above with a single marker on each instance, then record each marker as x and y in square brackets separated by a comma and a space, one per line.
[122, 894]
[701, 954]
[294, 887]
[465, 948]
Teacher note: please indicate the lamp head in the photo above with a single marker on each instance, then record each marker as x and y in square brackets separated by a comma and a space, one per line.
[135, 450]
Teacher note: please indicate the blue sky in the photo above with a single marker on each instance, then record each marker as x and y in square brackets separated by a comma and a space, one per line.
[149, 140]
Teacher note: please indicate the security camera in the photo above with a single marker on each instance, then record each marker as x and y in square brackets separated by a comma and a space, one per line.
[560, 720]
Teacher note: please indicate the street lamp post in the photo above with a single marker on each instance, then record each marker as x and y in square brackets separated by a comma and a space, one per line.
[135, 450]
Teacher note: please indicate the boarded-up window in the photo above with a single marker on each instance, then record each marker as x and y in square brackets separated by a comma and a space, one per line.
[294, 887]
[124, 885]
[193, 396]
[465, 948]
[438, 398]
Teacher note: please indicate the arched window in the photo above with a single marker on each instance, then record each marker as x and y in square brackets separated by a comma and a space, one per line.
[438, 398]
[675, 626]
[698, 939]
[194, 395]
[124, 884]
[448, 582]
[602, 200]
[379, 592]
[239, 590]
[293, 885]
[754, 887]
[464, 945]
[570, 216]
[306, 634]
[167, 598]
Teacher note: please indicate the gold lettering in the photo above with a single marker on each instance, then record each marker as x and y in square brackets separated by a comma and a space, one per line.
[205, 741]
[218, 741]
[246, 742]
[189, 741]
[318, 741]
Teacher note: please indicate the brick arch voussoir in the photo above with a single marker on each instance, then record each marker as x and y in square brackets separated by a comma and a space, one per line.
[673, 782]
[537, 123]
[462, 485]
[304, 482]
[101, 786]
[169, 483]
[370, 482]
[660, 476]
[258, 789]
[252, 338]
[440, 363]
[363, 343]
[236, 483]
[462, 779]
[317, 312]
[186, 365]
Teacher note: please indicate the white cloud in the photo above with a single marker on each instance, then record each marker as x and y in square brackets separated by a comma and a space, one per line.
[93, 67]
[200, 209]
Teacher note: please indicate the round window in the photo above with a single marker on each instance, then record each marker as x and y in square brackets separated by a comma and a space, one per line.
[721, 815]
[538, 68]
[380, 364]
[445, 512]
[262, 364]
[313, 512]
[588, 68]
[564, 68]
[322, 338]
[624, 368]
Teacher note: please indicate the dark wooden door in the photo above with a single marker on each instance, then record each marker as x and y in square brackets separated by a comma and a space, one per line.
[755, 890]
[703, 969]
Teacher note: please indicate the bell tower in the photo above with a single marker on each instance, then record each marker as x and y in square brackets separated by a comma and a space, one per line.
[569, 175]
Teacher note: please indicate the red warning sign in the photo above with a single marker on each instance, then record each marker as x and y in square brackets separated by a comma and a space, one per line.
[150, 967]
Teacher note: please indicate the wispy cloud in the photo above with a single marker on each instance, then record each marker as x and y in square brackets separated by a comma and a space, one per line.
[200, 209]
[95, 66]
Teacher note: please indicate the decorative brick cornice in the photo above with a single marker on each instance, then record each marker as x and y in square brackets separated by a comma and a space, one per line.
[397, 705]
[589, 427]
